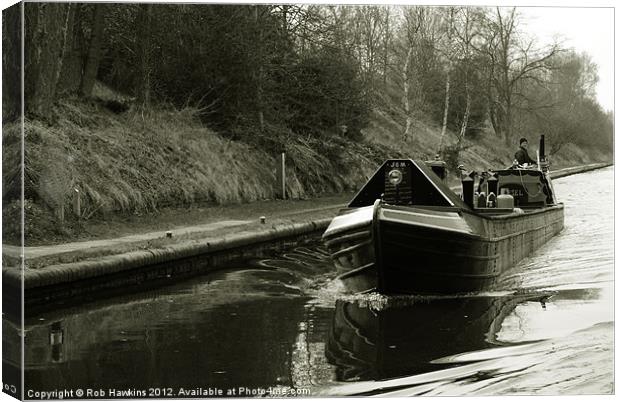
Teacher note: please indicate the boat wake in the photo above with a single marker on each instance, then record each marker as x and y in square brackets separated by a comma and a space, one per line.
[581, 363]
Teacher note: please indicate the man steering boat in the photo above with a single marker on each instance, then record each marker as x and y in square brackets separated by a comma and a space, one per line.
[521, 156]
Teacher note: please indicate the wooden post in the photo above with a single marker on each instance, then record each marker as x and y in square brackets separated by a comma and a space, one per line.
[281, 176]
[77, 207]
[60, 213]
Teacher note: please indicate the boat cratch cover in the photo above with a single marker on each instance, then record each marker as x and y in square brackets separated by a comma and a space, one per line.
[417, 184]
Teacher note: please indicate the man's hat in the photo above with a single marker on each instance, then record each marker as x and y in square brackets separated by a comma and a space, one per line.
[522, 140]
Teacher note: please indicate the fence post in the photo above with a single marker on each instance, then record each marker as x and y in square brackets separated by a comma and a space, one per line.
[77, 207]
[281, 176]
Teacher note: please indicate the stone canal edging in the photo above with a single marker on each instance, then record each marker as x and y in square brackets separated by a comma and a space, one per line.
[556, 174]
[120, 270]
[136, 267]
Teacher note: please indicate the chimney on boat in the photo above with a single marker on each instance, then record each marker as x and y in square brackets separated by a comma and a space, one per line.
[438, 167]
[467, 182]
[544, 165]
[492, 183]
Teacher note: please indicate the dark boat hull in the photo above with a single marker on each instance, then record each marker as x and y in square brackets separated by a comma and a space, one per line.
[438, 250]
[350, 243]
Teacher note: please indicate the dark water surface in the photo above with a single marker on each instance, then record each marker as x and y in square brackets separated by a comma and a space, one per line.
[546, 328]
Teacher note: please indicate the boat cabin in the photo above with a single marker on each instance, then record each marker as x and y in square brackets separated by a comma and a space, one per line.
[530, 188]
[416, 183]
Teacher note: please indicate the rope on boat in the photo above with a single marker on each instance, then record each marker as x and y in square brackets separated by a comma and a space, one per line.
[540, 189]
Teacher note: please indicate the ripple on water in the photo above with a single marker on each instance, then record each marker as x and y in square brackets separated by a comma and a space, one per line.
[555, 366]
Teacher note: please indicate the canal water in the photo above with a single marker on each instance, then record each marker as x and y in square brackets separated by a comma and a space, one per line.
[284, 325]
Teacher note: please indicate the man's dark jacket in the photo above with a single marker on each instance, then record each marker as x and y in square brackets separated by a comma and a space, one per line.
[522, 157]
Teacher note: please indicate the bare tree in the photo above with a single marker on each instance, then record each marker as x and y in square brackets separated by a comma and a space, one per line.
[259, 71]
[449, 52]
[11, 61]
[413, 21]
[145, 52]
[387, 38]
[511, 62]
[47, 25]
[564, 107]
[466, 32]
[94, 51]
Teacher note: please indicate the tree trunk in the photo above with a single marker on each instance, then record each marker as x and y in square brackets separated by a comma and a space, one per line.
[75, 52]
[11, 62]
[259, 72]
[493, 116]
[285, 21]
[94, 51]
[507, 124]
[465, 121]
[46, 38]
[406, 94]
[446, 108]
[386, 45]
[144, 49]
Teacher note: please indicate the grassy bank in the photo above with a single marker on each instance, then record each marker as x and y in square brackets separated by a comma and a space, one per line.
[157, 164]
[142, 161]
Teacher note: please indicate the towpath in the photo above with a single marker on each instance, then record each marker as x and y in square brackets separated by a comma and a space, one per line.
[187, 232]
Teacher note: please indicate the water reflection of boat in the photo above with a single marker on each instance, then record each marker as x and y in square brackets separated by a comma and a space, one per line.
[406, 231]
[401, 340]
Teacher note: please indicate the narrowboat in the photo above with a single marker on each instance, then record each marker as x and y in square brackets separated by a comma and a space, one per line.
[407, 231]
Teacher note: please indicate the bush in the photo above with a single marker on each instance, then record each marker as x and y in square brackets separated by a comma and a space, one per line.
[326, 95]
[39, 223]
[451, 155]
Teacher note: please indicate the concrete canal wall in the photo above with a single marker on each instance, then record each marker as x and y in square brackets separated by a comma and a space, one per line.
[155, 266]
[556, 174]
[164, 264]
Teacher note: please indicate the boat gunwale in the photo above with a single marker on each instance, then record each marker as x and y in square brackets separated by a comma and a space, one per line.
[478, 237]
[354, 227]
[333, 236]
[511, 215]
[347, 237]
